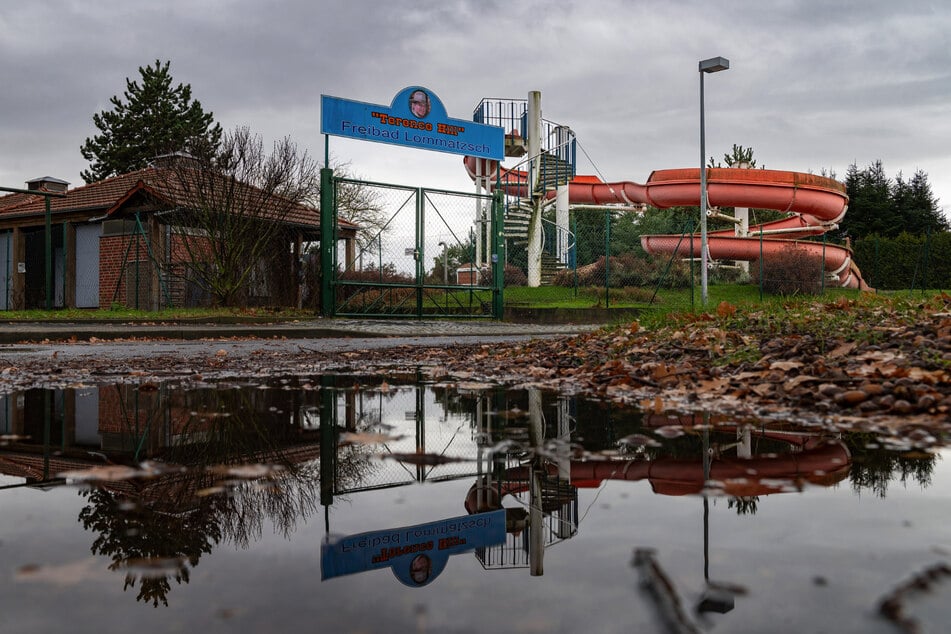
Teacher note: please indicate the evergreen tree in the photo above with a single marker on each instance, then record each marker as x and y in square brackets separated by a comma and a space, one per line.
[878, 205]
[923, 215]
[870, 209]
[738, 156]
[151, 119]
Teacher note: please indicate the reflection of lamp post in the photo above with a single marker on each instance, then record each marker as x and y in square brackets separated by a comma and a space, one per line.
[712, 65]
[445, 264]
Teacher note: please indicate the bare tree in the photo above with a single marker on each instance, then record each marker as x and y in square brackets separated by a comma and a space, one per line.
[360, 205]
[239, 208]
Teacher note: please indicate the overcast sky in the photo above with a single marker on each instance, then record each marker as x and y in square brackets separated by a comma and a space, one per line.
[812, 84]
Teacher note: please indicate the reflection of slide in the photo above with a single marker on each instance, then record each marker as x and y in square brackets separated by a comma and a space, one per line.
[818, 462]
[816, 203]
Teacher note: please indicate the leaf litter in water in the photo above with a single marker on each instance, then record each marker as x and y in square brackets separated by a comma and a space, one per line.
[367, 438]
[155, 567]
[116, 473]
[247, 471]
[423, 459]
[670, 431]
[636, 440]
[68, 574]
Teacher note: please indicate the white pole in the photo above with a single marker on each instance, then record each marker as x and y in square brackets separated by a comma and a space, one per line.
[478, 216]
[534, 133]
[561, 221]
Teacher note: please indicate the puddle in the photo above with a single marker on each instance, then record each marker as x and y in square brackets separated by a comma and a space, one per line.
[363, 504]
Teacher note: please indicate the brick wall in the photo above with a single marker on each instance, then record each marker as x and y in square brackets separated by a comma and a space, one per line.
[116, 253]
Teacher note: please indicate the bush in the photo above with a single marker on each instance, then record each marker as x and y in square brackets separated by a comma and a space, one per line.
[514, 276]
[791, 271]
[626, 270]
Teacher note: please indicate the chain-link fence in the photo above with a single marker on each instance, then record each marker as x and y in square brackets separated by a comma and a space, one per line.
[604, 263]
[598, 258]
[416, 252]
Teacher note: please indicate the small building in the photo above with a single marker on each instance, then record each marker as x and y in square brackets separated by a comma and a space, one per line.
[468, 274]
[117, 242]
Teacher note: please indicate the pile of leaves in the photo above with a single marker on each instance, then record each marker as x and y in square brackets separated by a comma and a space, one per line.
[868, 361]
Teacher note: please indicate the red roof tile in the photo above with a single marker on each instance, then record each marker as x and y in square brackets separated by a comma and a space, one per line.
[108, 195]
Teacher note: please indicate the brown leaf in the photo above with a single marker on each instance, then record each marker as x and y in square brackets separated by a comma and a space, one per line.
[712, 385]
[797, 381]
[785, 366]
[841, 350]
[725, 309]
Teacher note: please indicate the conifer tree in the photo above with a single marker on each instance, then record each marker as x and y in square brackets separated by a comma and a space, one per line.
[151, 119]
[881, 206]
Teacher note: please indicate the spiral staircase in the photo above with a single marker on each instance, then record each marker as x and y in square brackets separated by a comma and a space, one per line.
[555, 166]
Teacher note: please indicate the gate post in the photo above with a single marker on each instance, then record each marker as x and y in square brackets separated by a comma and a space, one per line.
[419, 250]
[498, 255]
[328, 218]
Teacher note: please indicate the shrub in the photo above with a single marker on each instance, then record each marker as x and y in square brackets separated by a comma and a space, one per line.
[628, 269]
[793, 270]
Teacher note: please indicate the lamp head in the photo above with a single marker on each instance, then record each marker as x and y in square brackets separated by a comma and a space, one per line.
[714, 65]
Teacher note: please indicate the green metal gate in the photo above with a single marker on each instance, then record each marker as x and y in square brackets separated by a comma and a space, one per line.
[418, 252]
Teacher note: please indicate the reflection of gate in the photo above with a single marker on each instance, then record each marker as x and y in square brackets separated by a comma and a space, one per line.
[419, 253]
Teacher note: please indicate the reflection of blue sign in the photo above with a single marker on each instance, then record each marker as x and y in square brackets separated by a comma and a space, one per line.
[417, 554]
[416, 118]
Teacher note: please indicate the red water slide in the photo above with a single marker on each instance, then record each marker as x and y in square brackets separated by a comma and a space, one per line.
[821, 463]
[814, 204]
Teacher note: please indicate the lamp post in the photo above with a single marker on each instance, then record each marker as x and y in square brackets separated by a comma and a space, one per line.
[712, 65]
[445, 263]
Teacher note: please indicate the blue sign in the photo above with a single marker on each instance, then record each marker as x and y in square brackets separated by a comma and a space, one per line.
[416, 554]
[416, 118]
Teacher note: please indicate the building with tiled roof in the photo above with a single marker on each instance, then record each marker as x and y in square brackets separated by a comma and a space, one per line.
[112, 242]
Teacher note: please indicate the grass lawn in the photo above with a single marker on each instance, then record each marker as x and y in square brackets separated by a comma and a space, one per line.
[665, 302]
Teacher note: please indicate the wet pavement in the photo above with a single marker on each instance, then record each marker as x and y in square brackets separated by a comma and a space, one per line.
[23, 332]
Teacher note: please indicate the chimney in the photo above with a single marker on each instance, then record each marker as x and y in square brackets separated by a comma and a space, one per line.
[171, 160]
[47, 184]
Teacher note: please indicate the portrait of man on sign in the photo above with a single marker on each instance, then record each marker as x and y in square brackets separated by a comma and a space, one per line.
[419, 104]
[420, 568]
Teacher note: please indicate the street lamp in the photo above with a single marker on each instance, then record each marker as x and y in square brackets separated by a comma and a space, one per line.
[712, 65]
[445, 263]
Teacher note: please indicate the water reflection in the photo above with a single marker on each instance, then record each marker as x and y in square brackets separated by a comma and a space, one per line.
[170, 471]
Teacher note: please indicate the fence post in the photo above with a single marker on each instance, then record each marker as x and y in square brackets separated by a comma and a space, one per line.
[925, 279]
[498, 261]
[574, 257]
[420, 249]
[875, 280]
[607, 258]
[761, 269]
[692, 290]
[328, 439]
[327, 221]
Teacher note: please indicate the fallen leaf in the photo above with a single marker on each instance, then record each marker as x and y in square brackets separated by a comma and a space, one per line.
[785, 366]
[725, 309]
[841, 350]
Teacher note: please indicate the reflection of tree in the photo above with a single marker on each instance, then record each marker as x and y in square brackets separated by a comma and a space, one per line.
[139, 537]
[240, 461]
[744, 505]
[873, 468]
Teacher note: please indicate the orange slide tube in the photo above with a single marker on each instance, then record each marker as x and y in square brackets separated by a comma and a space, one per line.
[823, 464]
[815, 204]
